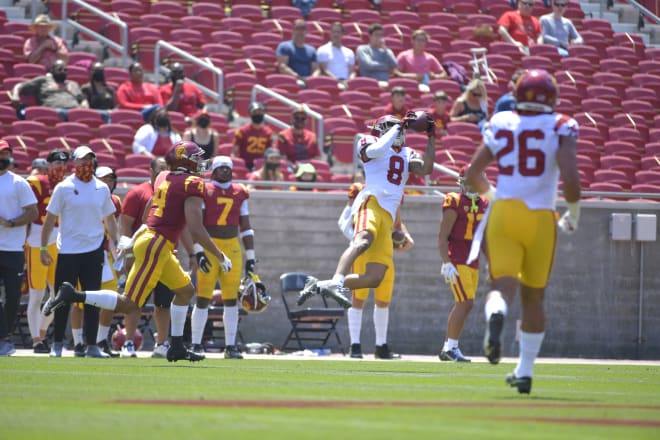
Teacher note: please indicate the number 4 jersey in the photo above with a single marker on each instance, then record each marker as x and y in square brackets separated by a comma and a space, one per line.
[525, 148]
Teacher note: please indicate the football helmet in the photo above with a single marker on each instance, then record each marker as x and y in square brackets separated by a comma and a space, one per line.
[119, 337]
[252, 294]
[536, 91]
[186, 156]
[383, 124]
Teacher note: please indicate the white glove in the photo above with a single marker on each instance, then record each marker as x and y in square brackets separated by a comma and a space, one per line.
[450, 273]
[568, 223]
[226, 263]
[124, 243]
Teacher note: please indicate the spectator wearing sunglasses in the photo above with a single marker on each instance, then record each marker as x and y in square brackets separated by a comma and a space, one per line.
[559, 30]
[471, 105]
[298, 143]
[520, 27]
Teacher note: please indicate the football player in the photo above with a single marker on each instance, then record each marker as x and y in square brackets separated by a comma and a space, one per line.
[461, 213]
[177, 201]
[226, 217]
[533, 147]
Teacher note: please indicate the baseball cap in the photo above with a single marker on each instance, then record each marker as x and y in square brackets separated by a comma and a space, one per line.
[440, 95]
[299, 110]
[305, 168]
[398, 89]
[81, 152]
[104, 171]
[222, 161]
[39, 163]
[4, 145]
[256, 106]
[299, 24]
[57, 155]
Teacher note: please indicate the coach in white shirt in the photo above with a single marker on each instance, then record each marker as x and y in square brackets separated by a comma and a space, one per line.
[336, 60]
[82, 202]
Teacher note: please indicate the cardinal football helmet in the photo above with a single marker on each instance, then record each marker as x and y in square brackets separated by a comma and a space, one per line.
[383, 124]
[536, 91]
[186, 156]
[252, 294]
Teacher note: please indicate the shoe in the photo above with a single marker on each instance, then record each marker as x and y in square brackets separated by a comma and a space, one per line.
[524, 384]
[454, 355]
[177, 353]
[56, 350]
[79, 350]
[93, 351]
[338, 294]
[198, 349]
[493, 338]
[105, 347]
[128, 350]
[160, 351]
[308, 291]
[384, 352]
[232, 352]
[7, 348]
[41, 347]
[356, 351]
[66, 295]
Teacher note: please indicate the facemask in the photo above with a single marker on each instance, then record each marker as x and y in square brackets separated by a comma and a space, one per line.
[203, 122]
[59, 77]
[99, 75]
[257, 119]
[85, 171]
[272, 166]
[4, 164]
[56, 175]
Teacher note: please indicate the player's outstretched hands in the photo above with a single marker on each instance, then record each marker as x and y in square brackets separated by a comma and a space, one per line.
[450, 272]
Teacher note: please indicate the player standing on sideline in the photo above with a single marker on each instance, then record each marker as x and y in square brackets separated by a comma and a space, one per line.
[39, 276]
[387, 164]
[461, 213]
[226, 216]
[533, 147]
[177, 202]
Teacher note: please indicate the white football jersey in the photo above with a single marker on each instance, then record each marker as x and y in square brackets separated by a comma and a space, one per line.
[525, 148]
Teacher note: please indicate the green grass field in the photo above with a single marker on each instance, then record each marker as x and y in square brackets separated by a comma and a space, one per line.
[147, 398]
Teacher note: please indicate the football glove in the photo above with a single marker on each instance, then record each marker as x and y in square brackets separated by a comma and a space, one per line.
[225, 263]
[568, 223]
[249, 266]
[203, 262]
[408, 119]
[450, 273]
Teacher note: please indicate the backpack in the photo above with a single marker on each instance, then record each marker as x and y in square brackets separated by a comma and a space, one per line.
[456, 72]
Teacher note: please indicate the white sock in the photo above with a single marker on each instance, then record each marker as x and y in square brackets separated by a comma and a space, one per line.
[450, 344]
[230, 318]
[198, 319]
[102, 334]
[103, 299]
[45, 321]
[33, 311]
[495, 304]
[338, 279]
[178, 319]
[77, 334]
[354, 324]
[530, 345]
[381, 319]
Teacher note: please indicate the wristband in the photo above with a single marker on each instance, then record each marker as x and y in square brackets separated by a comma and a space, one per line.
[249, 254]
[197, 248]
[43, 248]
[574, 209]
[247, 232]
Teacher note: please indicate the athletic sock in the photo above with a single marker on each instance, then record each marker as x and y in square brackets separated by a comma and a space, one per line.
[354, 324]
[530, 345]
[198, 320]
[230, 318]
[381, 319]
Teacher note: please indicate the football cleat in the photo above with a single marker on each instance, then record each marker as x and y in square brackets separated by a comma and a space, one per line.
[65, 295]
[41, 347]
[308, 291]
[454, 355]
[524, 384]
[105, 347]
[384, 352]
[56, 350]
[493, 338]
[160, 351]
[198, 349]
[79, 350]
[128, 350]
[232, 352]
[338, 294]
[356, 351]
[93, 351]
[178, 353]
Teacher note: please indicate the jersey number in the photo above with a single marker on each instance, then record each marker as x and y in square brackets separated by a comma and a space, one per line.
[395, 171]
[524, 153]
[159, 198]
[256, 144]
[226, 203]
[469, 228]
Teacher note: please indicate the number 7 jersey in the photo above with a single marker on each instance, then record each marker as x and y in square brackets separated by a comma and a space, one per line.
[525, 148]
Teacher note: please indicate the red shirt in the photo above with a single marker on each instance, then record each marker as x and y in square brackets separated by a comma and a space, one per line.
[42, 190]
[222, 207]
[137, 97]
[297, 147]
[441, 122]
[191, 98]
[397, 113]
[523, 29]
[135, 203]
[460, 238]
[252, 142]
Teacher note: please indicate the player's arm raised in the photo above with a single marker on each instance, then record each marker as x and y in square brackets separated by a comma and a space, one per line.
[474, 175]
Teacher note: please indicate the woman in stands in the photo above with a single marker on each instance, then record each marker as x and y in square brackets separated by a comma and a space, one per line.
[203, 134]
[156, 137]
[472, 105]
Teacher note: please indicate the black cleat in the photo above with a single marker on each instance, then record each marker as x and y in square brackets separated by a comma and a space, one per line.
[179, 353]
[493, 338]
[524, 384]
[308, 291]
[41, 347]
[232, 352]
[356, 351]
[338, 294]
[384, 352]
[198, 349]
[65, 295]
[79, 351]
[453, 355]
[105, 348]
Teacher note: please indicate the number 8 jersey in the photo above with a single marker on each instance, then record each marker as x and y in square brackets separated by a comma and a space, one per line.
[525, 148]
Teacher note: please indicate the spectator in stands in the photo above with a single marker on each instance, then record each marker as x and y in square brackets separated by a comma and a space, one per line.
[440, 113]
[39, 166]
[397, 106]
[98, 93]
[336, 60]
[135, 94]
[179, 95]
[305, 173]
[296, 58]
[252, 139]
[51, 90]
[305, 6]
[376, 60]
[558, 30]
[203, 134]
[472, 104]
[508, 100]
[44, 48]
[417, 63]
[156, 137]
[520, 27]
[297, 143]
[270, 171]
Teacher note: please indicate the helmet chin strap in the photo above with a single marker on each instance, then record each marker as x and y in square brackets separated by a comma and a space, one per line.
[223, 185]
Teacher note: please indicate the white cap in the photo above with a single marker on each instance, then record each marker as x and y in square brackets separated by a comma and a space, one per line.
[81, 152]
[104, 171]
[221, 161]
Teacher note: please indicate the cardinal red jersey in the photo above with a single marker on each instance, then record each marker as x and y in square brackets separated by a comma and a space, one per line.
[223, 206]
[252, 142]
[166, 214]
[135, 203]
[42, 189]
[468, 217]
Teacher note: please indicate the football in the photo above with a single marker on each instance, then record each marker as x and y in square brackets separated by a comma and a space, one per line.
[421, 122]
[398, 239]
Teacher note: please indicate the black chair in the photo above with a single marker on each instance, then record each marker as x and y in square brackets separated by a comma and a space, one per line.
[316, 322]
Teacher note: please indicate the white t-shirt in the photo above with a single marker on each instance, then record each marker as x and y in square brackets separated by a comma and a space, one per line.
[529, 170]
[338, 59]
[15, 195]
[81, 207]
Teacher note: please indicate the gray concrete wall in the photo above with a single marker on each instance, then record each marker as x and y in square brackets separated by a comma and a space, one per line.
[592, 301]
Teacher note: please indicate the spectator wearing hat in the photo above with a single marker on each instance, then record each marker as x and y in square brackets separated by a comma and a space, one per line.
[17, 210]
[296, 58]
[559, 30]
[298, 143]
[252, 139]
[203, 134]
[417, 63]
[136, 94]
[336, 60]
[270, 171]
[82, 204]
[156, 137]
[520, 27]
[397, 106]
[43, 47]
[440, 113]
[179, 95]
[39, 166]
[376, 60]
[305, 173]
